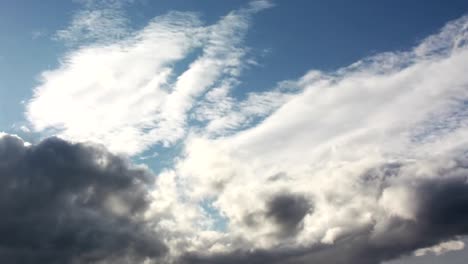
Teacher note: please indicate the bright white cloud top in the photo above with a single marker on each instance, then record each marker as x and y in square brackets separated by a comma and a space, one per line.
[124, 93]
[338, 156]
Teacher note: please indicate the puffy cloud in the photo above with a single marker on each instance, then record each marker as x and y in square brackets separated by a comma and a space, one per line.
[72, 203]
[440, 213]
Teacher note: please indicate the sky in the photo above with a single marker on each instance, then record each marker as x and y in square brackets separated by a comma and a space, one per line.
[137, 131]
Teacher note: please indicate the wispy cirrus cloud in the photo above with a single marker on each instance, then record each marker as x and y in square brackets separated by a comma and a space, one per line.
[120, 89]
[95, 25]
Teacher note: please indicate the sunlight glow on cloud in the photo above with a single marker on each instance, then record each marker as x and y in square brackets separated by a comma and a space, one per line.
[124, 92]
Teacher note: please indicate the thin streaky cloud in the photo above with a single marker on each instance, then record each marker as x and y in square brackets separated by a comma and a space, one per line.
[128, 91]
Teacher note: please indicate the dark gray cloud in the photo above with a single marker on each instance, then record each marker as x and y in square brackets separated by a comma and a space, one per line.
[440, 214]
[72, 203]
[288, 210]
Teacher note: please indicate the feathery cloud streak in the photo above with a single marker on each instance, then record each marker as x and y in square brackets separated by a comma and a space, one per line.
[119, 88]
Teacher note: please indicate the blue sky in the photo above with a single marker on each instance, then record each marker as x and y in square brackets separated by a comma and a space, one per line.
[285, 127]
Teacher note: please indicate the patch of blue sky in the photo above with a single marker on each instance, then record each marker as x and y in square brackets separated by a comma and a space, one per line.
[327, 35]
[180, 66]
[210, 11]
[220, 223]
[159, 157]
[26, 49]
[19, 72]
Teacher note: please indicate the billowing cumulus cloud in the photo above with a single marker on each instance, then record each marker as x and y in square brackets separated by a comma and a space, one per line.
[438, 208]
[72, 203]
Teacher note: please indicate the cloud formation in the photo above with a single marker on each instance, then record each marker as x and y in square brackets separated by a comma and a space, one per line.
[72, 203]
[360, 165]
[376, 149]
[441, 248]
[119, 87]
[439, 212]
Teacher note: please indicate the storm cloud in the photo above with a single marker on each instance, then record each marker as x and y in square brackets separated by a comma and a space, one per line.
[72, 203]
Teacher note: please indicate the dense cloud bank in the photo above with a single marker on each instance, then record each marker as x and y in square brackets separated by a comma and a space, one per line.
[77, 203]
[71, 203]
[437, 207]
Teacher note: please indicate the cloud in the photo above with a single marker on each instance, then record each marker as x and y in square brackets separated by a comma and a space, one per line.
[377, 149]
[288, 211]
[360, 165]
[441, 248]
[95, 25]
[72, 203]
[440, 213]
[120, 87]
[222, 114]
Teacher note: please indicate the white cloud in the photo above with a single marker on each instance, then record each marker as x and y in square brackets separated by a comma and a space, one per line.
[123, 92]
[441, 248]
[323, 138]
[225, 115]
[95, 25]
